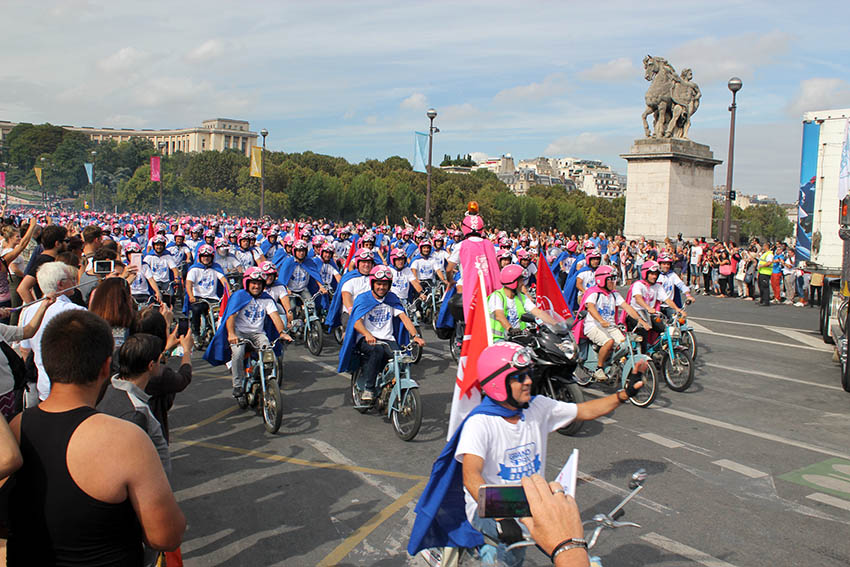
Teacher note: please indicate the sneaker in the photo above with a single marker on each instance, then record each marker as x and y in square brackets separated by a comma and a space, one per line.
[799, 304]
[599, 375]
[198, 341]
[237, 392]
[367, 396]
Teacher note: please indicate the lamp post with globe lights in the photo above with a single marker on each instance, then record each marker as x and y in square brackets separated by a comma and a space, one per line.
[263, 133]
[734, 85]
[93, 155]
[431, 114]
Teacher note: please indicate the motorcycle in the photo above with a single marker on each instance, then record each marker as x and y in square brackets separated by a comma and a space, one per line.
[671, 355]
[555, 360]
[261, 385]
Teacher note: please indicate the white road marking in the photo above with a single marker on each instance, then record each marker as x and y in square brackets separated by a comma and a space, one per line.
[739, 468]
[688, 552]
[663, 441]
[831, 500]
[741, 323]
[324, 365]
[772, 376]
[747, 431]
[801, 337]
[820, 348]
[697, 327]
[605, 420]
[645, 502]
[333, 454]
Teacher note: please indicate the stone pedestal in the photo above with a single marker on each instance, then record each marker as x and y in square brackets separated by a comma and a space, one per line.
[669, 190]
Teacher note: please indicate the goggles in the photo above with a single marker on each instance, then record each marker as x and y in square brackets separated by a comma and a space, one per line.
[522, 359]
[383, 274]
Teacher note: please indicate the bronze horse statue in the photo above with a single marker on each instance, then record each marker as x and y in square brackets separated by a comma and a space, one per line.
[659, 99]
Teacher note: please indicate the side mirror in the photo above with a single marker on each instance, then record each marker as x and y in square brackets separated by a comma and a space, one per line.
[638, 478]
[527, 318]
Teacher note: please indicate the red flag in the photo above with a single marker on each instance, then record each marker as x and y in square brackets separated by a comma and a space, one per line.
[2, 179]
[549, 295]
[297, 231]
[151, 230]
[155, 168]
[350, 256]
[224, 299]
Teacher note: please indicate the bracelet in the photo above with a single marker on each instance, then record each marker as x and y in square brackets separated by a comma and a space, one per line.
[622, 401]
[566, 545]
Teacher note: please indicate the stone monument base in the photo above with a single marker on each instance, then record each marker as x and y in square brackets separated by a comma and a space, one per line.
[669, 189]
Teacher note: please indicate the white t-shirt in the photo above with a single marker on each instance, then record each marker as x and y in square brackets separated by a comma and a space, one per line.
[586, 278]
[161, 266]
[204, 282]
[139, 285]
[228, 263]
[531, 270]
[355, 286]
[244, 257]
[19, 261]
[494, 303]
[328, 271]
[606, 304]
[379, 321]
[251, 317]
[650, 294]
[696, 254]
[401, 282]
[300, 278]
[425, 268]
[512, 450]
[668, 281]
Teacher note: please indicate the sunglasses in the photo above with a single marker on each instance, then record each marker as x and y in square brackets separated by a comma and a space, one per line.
[520, 376]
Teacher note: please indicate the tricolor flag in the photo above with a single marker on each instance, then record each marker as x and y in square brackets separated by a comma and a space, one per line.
[155, 163]
[549, 296]
[256, 161]
[477, 336]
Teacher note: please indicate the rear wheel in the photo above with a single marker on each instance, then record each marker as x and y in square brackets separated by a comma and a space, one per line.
[690, 341]
[826, 312]
[272, 407]
[355, 392]
[646, 395]
[338, 335]
[407, 414]
[314, 339]
[416, 350]
[571, 393]
[455, 344]
[582, 376]
[678, 369]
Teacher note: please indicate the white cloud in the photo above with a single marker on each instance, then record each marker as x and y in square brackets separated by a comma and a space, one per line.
[124, 59]
[552, 85]
[416, 101]
[714, 58]
[479, 156]
[207, 50]
[584, 144]
[621, 69]
[123, 121]
[371, 119]
[820, 94]
[169, 90]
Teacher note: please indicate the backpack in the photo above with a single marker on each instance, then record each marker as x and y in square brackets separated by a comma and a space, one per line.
[20, 374]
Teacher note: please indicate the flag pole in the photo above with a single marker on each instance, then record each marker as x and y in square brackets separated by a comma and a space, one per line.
[486, 307]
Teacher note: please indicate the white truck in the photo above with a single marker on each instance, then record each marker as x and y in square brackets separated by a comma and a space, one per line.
[823, 228]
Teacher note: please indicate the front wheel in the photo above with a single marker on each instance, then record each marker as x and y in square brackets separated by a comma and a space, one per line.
[571, 393]
[689, 339]
[455, 345]
[646, 395]
[416, 350]
[314, 339]
[355, 392]
[338, 335]
[272, 407]
[407, 414]
[678, 369]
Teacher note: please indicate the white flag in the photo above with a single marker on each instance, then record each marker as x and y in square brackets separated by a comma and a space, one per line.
[844, 170]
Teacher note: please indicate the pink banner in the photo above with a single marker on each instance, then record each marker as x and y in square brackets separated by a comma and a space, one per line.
[2, 179]
[155, 168]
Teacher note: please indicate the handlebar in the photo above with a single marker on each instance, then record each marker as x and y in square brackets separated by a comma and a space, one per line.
[270, 346]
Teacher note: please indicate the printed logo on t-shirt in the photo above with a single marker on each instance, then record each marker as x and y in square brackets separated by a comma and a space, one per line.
[378, 317]
[254, 312]
[521, 461]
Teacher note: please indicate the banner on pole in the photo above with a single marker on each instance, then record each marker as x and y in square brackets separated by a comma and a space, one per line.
[256, 161]
[37, 171]
[155, 171]
[2, 179]
[844, 170]
[806, 196]
[89, 171]
[420, 152]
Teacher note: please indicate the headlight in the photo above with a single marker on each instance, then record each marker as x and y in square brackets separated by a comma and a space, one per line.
[675, 332]
[567, 347]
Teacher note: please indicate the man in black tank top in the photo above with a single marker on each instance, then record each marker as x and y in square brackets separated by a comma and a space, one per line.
[91, 489]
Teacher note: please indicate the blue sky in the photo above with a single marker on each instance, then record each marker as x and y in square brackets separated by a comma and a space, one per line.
[354, 78]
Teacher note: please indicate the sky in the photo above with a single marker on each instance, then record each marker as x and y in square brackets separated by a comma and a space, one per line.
[354, 78]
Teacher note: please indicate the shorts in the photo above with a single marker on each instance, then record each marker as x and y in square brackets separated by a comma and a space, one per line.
[601, 335]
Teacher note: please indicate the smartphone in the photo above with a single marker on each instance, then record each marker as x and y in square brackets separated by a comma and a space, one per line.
[136, 260]
[502, 501]
[182, 327]
[104, 266]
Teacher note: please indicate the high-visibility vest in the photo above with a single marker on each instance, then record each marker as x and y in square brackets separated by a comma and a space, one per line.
[519, 301]
[766, 257]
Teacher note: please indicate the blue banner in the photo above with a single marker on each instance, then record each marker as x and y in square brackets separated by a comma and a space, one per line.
[808, 174]
[420, 152]
[89, 170]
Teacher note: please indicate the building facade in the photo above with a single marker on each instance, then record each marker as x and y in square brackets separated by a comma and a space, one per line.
[216, 134]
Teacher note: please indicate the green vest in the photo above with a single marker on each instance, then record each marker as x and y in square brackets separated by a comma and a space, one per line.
[766, 270]
[519, 300]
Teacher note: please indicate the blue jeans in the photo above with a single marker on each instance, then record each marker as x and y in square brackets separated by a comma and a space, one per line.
[372, 360]
[492, 555]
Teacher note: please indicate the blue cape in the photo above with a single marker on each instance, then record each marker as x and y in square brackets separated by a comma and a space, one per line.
[287, 266]
[570, 290]
[555, 266]
[265, 245]
[441, 510]
[444, 318]
[219, 350]
[279, 256]
[333, 318]
[219, 288]
[364, 303]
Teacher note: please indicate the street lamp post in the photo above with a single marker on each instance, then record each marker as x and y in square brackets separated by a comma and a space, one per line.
[161, 145]
[93, 155]
[5, 185]
[431, 114]
[734, 85]
[43, 182]
[263, 133]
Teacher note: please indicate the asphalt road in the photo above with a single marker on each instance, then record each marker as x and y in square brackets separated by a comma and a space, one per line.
[750, 467]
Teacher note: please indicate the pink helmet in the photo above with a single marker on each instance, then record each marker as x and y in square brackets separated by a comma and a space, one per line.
[179, 232]
[588, 256]
[268, 268]
[504, 254]
[209, 233]
[132, 247]
[558, 242]
[363, 255]
[380, 274]
[158, 239]
[522, 254]
[471, 223]
[299, 245]
[397, 253]
[572, 246]
[253, 273]
[649, 266]
[504, 241]
[425, 242]
[317, 240]
[221, 243]
[665, 258]
[499, 361]
[206, 250]
[588, 245]
[328, 247]
[510, 276]
[368, 237]
[602, 274]
[288, 240]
